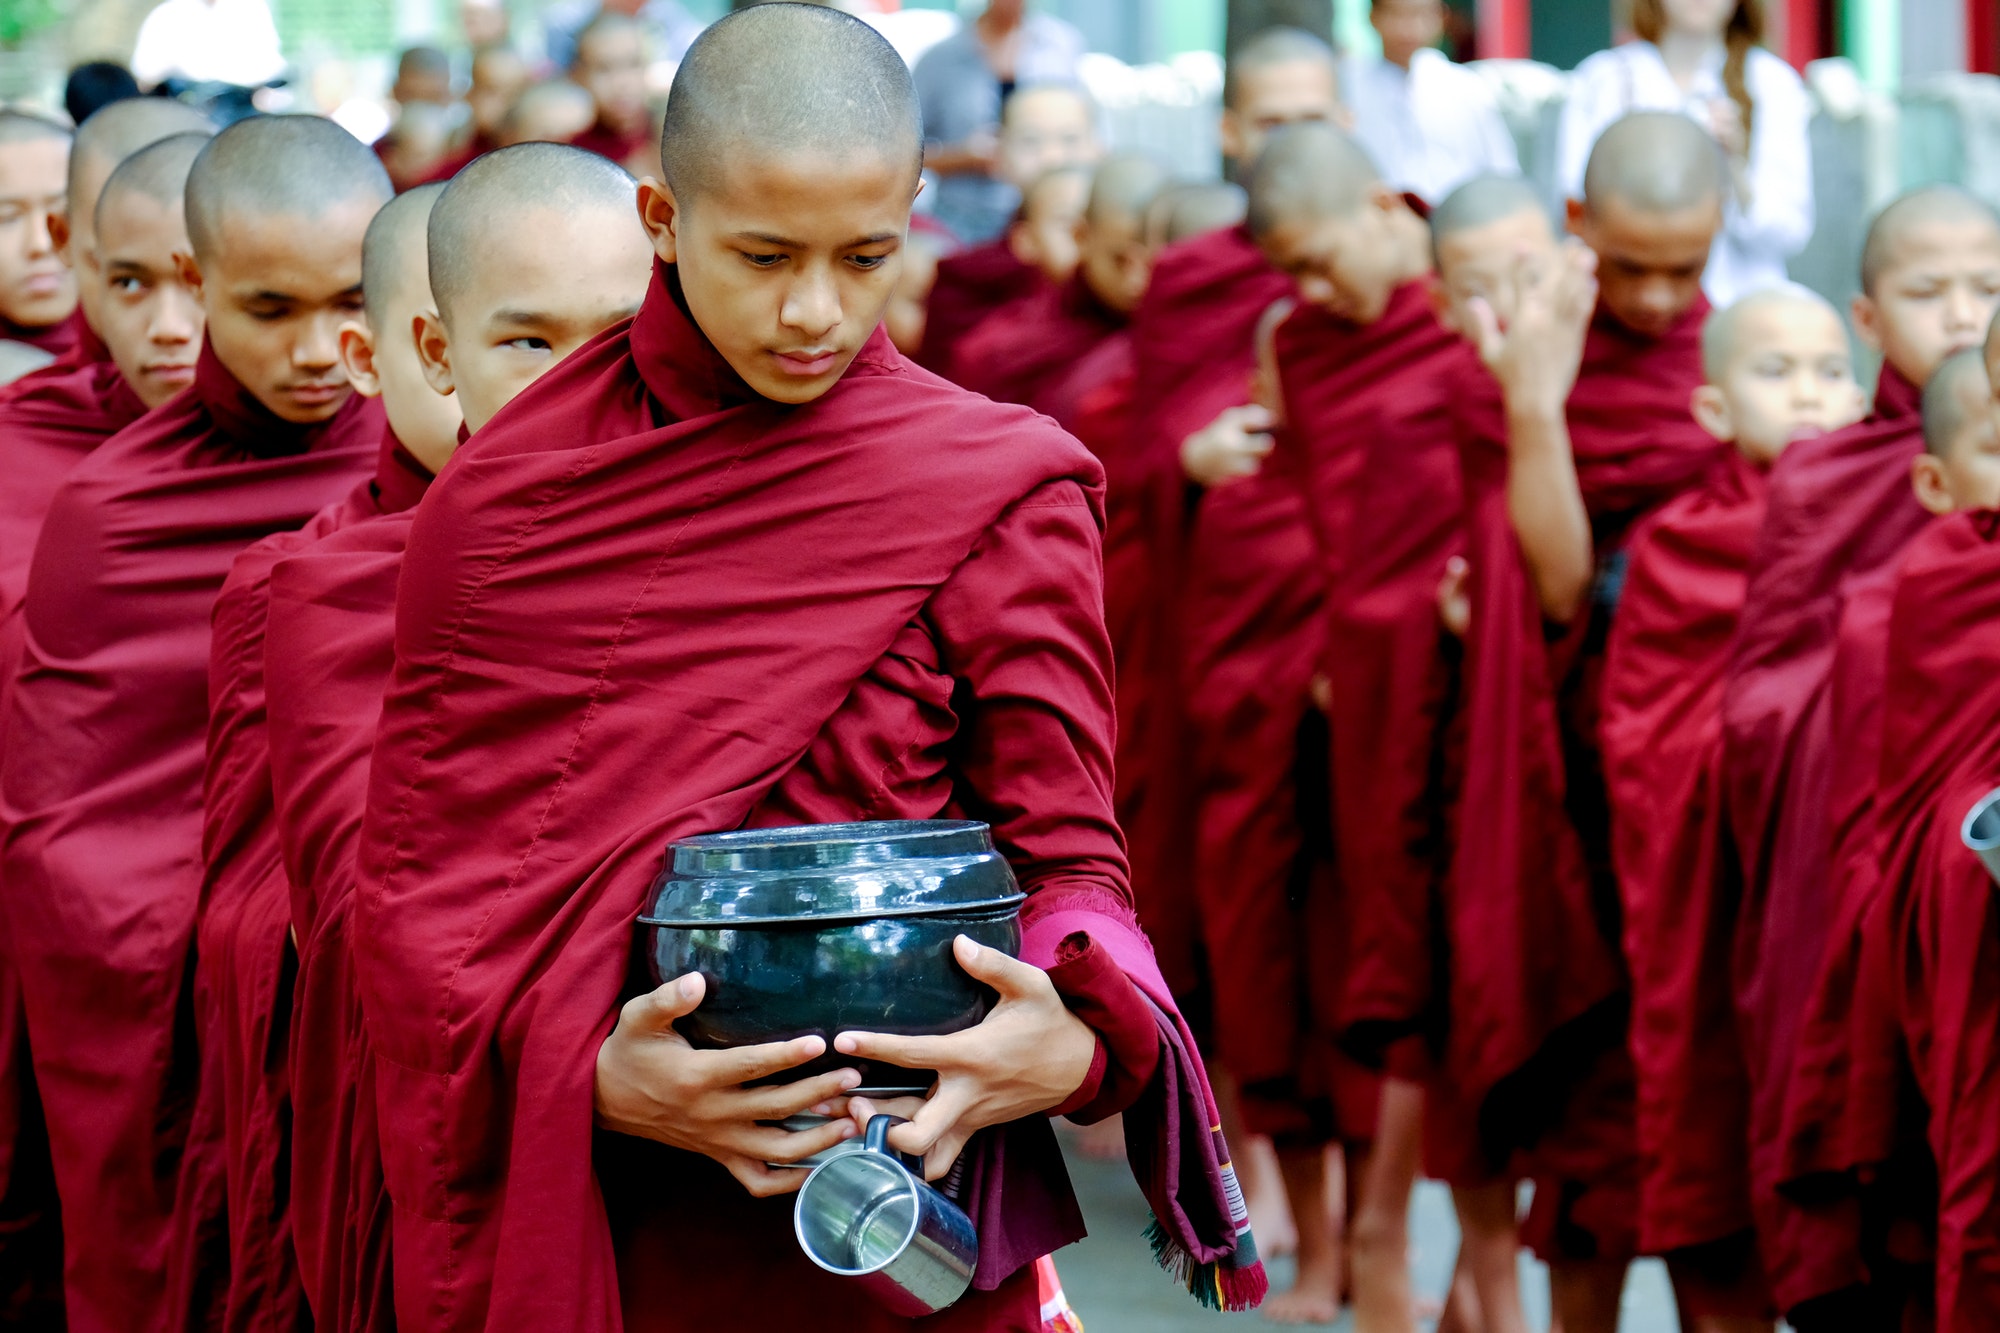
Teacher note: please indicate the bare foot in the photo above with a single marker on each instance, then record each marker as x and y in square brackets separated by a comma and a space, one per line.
[1313, 1299]
[1104, 1140]
[1264, 1195]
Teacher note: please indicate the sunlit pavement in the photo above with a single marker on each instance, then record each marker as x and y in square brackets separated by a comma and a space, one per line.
[1116, 1288]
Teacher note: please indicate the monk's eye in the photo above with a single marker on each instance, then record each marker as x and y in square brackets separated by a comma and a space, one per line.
[764, 261]
[867, 261]
[527, 344]
[127, 286]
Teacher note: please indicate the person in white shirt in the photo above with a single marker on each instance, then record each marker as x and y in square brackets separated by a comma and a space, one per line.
[1430, 125]
[220, 41]
[1704, 58]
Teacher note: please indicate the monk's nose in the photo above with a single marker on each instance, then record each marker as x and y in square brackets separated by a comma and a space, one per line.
[40, 242]
[1965, 309]
[811, 306]
[319, 345]
[175, 318]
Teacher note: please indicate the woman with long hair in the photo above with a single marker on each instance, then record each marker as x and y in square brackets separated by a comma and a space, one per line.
[1706, 58]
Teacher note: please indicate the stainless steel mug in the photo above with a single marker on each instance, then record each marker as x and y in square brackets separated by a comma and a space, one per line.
[1981, 831]
[867, 1215]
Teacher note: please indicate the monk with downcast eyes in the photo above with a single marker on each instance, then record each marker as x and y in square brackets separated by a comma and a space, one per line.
[108, 710]
[755, 410]
[37, 292]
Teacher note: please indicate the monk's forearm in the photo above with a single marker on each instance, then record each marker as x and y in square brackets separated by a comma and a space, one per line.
[1545, 504]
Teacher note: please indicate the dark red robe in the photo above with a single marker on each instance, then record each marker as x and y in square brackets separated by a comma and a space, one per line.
[621, 146]
[1538, 988]
[1017, 354]
[56, 339]
[1661, 734]
[101, 782]
[972, 284]
[601, 566]
[86, 348]
[1840, 508]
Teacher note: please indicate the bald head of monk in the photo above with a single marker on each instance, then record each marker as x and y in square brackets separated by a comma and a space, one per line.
[610, 65]
[1960, 465]
[149, 317]
[1044, 235]
[111, 135]
[552, 112]
[499, 76]
[1280, 77]
[1323, 215]
[1930, 278]
[276, 210]
[37, 291]
[1652, 203]
[1194, 208]
[1043, 128]
[534, 250]
[379, 351]
[1112, 253]
[1776, 368]
[1484, 235]
[792, 152]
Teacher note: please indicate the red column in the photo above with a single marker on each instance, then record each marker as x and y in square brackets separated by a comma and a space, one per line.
[1802, 31]
[1503, 29]
[1982, 36]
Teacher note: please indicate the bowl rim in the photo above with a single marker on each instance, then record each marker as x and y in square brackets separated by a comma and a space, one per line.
[836, 918]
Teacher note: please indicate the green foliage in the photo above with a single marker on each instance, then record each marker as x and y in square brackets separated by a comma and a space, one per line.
[21, 19]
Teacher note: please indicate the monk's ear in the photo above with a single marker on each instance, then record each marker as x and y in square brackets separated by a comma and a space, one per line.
[357, 356]
[1711, 413]
[1021, 244]
[660, 215]
[59, 236]
[1927, 479]
[1575, 217]
[1867, 320]
[434, 351]
[188, 271]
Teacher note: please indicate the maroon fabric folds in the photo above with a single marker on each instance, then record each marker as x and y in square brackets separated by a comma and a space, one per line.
[1661, 734]
[85, 349]
[654, 604]
[1018, 353]
[971, 285]
[101, 782]
[1839, 508]
[57, 339]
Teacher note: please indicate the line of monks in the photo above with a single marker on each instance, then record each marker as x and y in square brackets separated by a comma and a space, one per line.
[1541, 709]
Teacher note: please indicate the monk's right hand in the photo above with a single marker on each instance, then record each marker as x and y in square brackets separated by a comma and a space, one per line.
[1536, 349]
[1229, 448]
[652, 1084]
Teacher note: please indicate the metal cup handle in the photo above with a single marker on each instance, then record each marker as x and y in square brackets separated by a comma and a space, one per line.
[1981, 832]
[876, 1139]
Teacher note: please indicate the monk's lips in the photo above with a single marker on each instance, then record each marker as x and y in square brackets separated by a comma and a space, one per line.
[819, 929]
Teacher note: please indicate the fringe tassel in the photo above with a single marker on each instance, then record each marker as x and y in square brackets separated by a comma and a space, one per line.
[1227, 1286]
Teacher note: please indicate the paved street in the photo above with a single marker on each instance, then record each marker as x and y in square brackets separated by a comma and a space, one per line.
[1113, 1283]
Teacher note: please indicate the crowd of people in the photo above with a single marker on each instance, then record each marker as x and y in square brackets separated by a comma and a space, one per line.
[1468, 693]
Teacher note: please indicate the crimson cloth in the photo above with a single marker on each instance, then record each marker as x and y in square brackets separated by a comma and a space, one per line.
[477, 146]
[49, 422]
[1840, 507]
[971, 285]
[101, 782]
[1538, 987]
[1661, 735]
[56, 339]
[1016, 353]
[85, 348]
[1940, 755]
[602, 565]
[621, 146]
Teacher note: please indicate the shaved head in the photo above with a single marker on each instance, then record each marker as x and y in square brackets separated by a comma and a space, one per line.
[1271, 47]
[1656, 162]
[1123, 187]
[1480, 202]
[798, 80]
[395, 237]
[492, 193]
[1721, 332]
[159, 171]
[552, 112]
[1193, 208]
[120, 130]
[1306, 173]
[299, 166]
[1890, 232]
[1957, 397]
[17, 126]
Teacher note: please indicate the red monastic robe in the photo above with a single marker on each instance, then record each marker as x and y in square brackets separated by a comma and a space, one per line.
[85, 348]
[1661, 734]
[1840, 508]
[1538, 988]
[972, 284]
[602, 565]
[101, 781]
[621, 146]
[1018, 353]
[56, 339]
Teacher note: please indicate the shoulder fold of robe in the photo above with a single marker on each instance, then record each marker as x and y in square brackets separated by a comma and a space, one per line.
[1016, 354]
[58, 339]
[972, 285]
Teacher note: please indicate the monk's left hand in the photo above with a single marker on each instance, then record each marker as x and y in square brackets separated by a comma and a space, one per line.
[1027, 1057]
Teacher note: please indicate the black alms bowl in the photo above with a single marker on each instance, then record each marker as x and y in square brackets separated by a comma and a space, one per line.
[825, 928]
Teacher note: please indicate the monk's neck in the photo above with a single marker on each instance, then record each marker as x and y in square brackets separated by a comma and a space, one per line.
[1411, 239]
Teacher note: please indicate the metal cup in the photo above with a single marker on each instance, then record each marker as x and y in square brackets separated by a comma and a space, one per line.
[867, 1215]
[1981, 831]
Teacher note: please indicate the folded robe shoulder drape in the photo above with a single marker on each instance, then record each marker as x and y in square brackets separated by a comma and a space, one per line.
[972, 285]
[101, 782]
[654, 604]
[1017, 353]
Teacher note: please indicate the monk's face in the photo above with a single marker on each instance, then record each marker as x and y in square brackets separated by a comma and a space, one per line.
[1116, 261]
[1045, 238]
[1967, 474]
[1269, 98]
[1788, 376]
[1934, 296]
[148, 316]
[908, 310]
[276, 291]
[76, 236]
[1347, 264]
[547, 283]
[36, 290]
[1649, 264]
[1046, 129]
[611, 66]
[1406, 27]
[384, 362]
[1485, 263]
[498, 77]
[787, 262]
[1993, 369]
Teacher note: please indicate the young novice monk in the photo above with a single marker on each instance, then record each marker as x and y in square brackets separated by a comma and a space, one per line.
[1777, 370]
[101, 778]
[747, 479]
[1838, 509]
[611, 66]
[37, 292]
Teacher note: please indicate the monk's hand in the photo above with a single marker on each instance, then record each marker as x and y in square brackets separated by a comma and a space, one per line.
[1027, 1057]
[1536, 349]
[1229, 448]
[652, 1084]
[1454, 597]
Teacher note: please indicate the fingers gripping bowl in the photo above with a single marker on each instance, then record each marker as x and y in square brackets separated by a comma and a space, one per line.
[826, 928]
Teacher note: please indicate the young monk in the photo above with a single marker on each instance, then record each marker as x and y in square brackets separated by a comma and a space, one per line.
[37, 293]
[552, 112]
[1581, 431]
[1838, 509]
[499, 78]
[1043, 128]
[1187, 209]
[611, 66]
[101, 779]
[1777, 370]
[754, 409]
